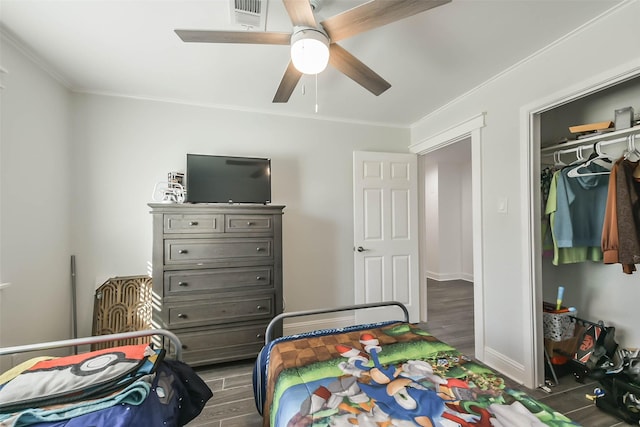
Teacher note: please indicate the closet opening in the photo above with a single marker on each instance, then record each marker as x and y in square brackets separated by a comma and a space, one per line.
[597, 290]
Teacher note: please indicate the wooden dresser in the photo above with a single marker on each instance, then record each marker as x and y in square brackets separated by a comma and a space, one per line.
[217, 276]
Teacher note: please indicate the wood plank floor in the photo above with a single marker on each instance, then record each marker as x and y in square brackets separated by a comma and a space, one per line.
[450, 309]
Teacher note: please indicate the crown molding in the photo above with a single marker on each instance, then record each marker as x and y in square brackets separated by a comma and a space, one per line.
[10, 37]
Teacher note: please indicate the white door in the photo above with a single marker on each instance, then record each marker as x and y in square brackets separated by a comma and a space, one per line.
[385, 205]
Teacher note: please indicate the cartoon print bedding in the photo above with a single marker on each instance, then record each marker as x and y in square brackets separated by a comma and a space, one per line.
[120, 386]
[386, 375]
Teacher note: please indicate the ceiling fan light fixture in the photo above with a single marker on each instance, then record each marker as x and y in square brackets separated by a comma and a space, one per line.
[309, 50]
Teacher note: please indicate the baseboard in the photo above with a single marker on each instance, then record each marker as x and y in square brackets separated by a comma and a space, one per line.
[292, 328]
[467, 277]
[443, 277]
[504, 365]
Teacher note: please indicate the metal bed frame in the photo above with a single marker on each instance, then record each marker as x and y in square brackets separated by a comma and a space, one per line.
[74, 342]
[272, 325]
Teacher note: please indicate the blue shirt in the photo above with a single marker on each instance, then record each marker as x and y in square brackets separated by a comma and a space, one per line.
[581, 204]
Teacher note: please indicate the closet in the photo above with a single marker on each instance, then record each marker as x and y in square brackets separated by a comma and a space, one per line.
[599, 291]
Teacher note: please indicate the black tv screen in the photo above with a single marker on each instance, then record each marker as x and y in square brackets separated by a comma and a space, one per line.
[225, 179]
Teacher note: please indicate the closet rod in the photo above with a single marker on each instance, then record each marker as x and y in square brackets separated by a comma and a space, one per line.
[547, 152]
[622, 134]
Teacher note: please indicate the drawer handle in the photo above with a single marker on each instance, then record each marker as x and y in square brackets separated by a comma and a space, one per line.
[259, 278]
[249, 223]
[182, 316]
[259, 249]
[259, 336]
[259, 307]
[184, 346]
[183, 251]
[193, 223]
[183, 284]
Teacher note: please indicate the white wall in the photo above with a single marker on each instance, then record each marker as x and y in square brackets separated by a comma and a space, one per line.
[466, 223]
[431, 217]
[78, 171]
[35, 179]
[448, 247]
[449, 204]
[122, 147]
[552, 70]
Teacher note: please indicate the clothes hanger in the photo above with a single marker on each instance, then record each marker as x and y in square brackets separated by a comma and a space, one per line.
[631, 149]
[579, 157]
[557, 161]
[599, 155]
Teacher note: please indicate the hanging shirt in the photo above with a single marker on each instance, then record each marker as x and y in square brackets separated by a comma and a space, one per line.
[628, 212]
[610, 234]
[546, 176]
[581, 205]
[567, 255]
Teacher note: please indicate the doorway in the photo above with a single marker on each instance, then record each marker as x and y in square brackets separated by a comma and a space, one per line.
[469, 130]
[446, 210]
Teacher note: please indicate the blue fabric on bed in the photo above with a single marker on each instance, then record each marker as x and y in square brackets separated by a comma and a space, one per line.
[262, 361]
[177, 396]
[79, 377]
[133, 395]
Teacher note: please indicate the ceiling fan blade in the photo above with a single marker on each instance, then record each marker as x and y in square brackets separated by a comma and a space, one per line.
[374, 14]
[353, 68]
[300, 12]
[287, 84]
[253, 37]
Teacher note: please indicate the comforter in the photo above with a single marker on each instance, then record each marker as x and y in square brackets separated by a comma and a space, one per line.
[386, 375]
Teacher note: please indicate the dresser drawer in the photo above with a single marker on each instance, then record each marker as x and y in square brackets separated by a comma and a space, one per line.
[194, 223]
[218, 280]
[189, 251]
[247, 223]
[219, 345]
[206, 312]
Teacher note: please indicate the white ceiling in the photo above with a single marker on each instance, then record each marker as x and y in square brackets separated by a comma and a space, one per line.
[129, 48]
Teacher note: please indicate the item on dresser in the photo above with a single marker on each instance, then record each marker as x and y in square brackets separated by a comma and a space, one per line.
[168, 192]
[226, 179]
[217, 275]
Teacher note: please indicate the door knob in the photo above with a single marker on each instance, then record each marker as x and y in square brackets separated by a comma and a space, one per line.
[361, 249]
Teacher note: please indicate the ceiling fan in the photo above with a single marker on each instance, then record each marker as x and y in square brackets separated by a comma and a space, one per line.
[314, 45]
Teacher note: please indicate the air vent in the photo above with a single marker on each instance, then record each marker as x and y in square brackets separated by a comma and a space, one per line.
[249, 13]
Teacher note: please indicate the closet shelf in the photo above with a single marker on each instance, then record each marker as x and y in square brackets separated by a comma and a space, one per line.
[622, 133]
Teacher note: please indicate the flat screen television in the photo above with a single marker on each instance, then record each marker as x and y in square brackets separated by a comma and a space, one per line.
[227, 179]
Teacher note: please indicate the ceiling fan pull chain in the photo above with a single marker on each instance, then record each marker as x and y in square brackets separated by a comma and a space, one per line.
[316, 93]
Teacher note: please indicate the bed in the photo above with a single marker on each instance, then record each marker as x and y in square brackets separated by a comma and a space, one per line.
[139, 384]
[390, 373]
